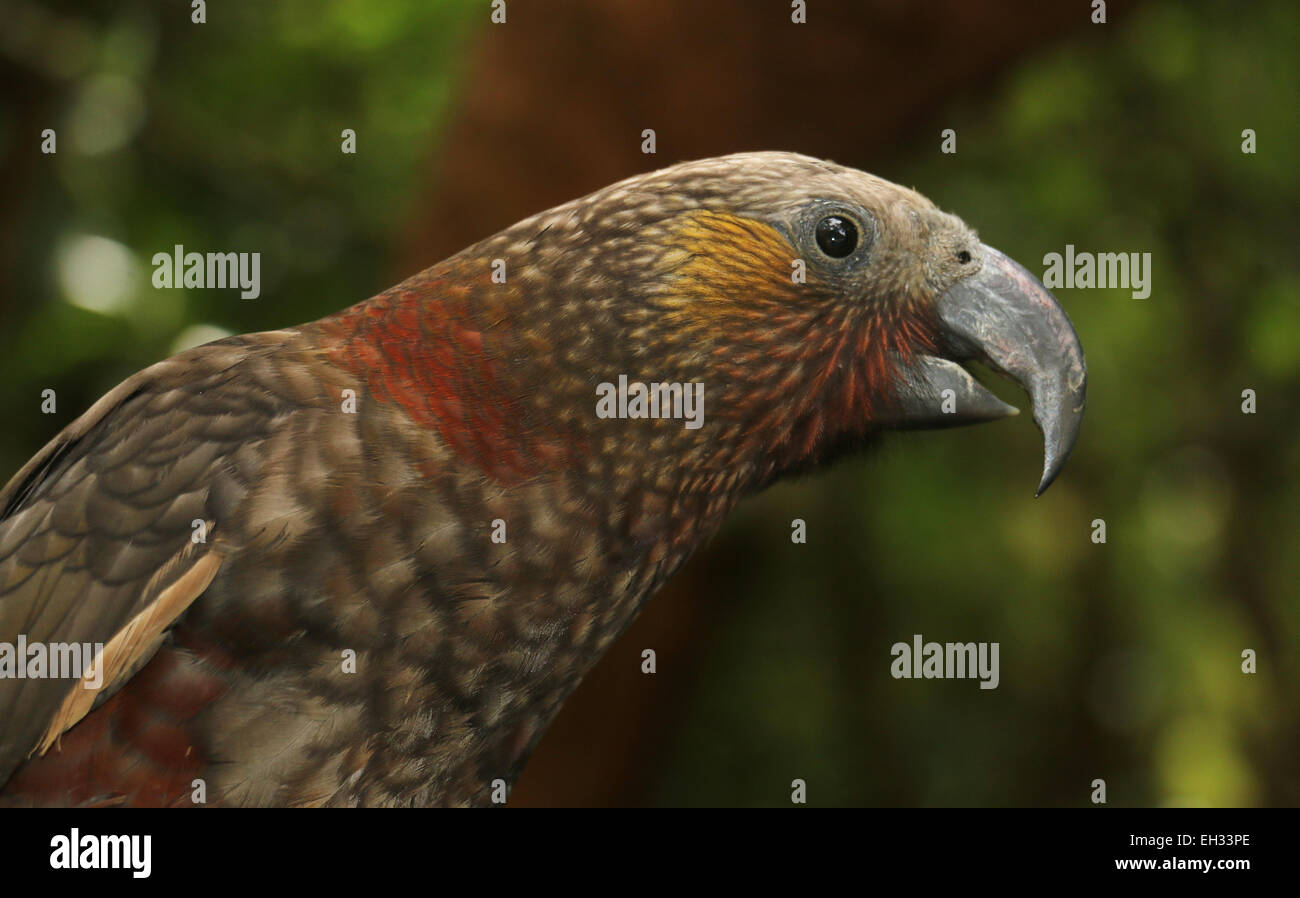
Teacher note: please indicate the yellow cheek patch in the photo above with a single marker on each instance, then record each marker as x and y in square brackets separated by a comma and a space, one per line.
[718, 265]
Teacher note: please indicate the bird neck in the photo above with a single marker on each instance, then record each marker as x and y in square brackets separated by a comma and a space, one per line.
[682, 396]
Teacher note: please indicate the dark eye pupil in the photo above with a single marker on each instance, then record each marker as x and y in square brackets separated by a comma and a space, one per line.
[837, 236]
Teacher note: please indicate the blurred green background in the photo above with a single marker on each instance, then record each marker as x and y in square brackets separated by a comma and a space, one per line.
[1119, 661]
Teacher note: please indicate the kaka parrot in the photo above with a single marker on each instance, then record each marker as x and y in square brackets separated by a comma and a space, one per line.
[363, 561]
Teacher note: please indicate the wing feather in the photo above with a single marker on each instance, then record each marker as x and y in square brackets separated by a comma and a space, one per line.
[95, 530]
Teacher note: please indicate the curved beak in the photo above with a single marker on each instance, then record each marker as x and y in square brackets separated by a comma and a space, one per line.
[1003, 316]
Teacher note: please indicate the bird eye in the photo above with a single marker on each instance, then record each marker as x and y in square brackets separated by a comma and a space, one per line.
[837, 236]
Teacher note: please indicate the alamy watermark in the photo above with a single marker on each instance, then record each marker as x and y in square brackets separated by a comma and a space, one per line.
[23, 660]
[208, 271]
[946, 661]
[77, 851]
[1071, 270]
[635, 399]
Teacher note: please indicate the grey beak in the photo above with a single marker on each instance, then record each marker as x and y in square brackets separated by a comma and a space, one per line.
[1003, 316]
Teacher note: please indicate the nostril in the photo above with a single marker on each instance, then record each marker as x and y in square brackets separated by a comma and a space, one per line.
[963, 257]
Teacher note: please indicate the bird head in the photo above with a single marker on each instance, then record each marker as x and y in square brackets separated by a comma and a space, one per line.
[815, 306]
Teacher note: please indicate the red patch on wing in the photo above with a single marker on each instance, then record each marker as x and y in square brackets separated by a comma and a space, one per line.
[423, 346]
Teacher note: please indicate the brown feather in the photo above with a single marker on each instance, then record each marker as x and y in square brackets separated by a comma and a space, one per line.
[131, 647]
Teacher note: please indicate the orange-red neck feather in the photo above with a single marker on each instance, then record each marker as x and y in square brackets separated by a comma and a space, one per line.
[506, 373]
